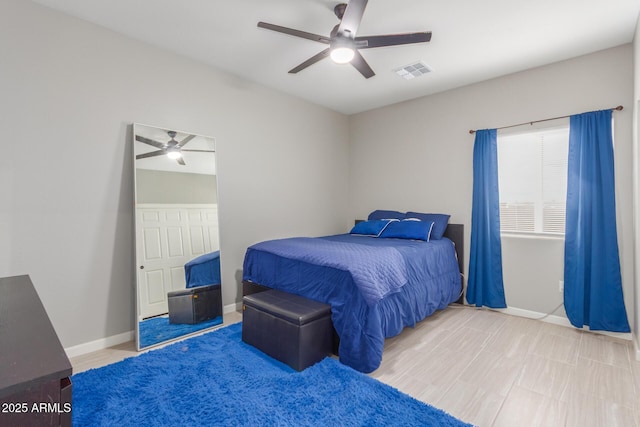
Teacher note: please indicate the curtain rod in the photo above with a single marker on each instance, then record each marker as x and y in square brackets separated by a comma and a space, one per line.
[618, 108]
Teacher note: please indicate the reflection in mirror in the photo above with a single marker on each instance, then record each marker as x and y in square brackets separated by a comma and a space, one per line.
[177, 249]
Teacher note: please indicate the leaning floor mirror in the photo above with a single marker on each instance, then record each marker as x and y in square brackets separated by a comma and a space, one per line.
[176, 221]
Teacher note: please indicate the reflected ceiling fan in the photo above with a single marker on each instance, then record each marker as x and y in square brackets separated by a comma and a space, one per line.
[172, 148]
[343, 43]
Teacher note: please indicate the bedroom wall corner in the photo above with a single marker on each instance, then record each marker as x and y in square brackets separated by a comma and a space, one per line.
[417, 155]
[636, 186]
[70, 92]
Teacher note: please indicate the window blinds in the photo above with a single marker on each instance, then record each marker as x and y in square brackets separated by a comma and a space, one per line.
[532, 174]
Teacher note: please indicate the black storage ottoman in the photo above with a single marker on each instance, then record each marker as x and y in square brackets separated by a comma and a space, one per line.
[195, 305]
[292, 329]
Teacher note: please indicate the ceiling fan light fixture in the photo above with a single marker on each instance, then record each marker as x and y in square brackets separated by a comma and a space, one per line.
[342, 50]
[342, 55]
[174, 154]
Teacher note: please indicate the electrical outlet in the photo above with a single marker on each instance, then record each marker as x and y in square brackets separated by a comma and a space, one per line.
[560, 285]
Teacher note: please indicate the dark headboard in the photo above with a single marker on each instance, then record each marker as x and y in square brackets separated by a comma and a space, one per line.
[455, 233]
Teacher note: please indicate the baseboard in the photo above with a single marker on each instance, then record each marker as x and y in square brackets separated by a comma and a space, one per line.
[562, 321]
[102, 343]
[237, 306]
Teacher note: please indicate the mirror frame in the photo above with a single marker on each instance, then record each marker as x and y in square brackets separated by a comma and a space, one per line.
[150, 145]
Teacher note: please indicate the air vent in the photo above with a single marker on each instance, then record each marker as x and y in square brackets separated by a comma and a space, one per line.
[414, 70]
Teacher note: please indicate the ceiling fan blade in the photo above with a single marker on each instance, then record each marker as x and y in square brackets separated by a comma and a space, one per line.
[393, 39]
[361, 65]
[186, 140]
[198, 151]
[180, 161]
[352, 17]
[311, 61]
[150, 154]
[149, 141]
[296, 33]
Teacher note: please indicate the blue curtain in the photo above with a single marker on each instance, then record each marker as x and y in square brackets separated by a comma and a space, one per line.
[485, 266]
[592, 280]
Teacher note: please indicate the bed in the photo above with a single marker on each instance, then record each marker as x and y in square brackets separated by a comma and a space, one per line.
[375, 284]
[203, 270]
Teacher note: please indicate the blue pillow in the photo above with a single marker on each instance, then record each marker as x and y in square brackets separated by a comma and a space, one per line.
[407, 229]
[381, 214]
[440, 222]
[370, 228]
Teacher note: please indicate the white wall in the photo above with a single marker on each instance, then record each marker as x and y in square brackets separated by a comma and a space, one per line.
[636, 182]
[417, 155]
[533, 284]
[69, 92]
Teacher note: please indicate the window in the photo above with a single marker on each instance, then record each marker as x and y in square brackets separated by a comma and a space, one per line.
[532, 175]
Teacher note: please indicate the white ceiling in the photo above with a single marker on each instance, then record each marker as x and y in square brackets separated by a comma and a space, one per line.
[472, 40]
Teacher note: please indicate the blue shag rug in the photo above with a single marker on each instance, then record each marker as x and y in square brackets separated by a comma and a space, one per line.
[217, 380]
[158, 329]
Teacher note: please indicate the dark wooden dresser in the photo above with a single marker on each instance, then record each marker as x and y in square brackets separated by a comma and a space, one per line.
[35, 389]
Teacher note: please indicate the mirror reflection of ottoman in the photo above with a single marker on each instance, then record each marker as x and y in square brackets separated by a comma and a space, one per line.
[195, 305]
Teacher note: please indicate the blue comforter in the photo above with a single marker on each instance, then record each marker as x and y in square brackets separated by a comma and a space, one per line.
[203, 270]
[375, 286]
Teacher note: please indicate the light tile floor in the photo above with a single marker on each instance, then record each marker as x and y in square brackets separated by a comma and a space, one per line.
[492, 369]
[512, 371]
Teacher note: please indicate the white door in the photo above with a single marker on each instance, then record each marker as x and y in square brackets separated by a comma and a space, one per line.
[170, 236]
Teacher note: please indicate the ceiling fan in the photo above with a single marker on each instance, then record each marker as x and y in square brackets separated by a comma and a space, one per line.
[172, 148]
[343, 43]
